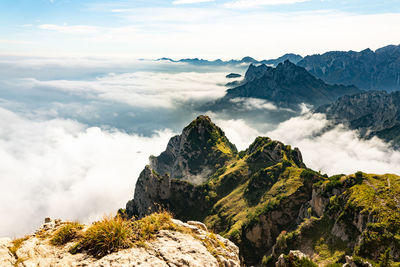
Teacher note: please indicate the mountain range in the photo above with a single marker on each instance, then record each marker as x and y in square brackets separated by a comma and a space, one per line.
[246, 60]
[287, 85]
[269, 203]
[368, 70]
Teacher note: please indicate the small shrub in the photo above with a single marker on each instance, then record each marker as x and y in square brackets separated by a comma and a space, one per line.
[106, 236]
[385, 259]
[66, 233]
[359, 177]
[267, 261]
[146, 228]
[296, 262]
[308, 174]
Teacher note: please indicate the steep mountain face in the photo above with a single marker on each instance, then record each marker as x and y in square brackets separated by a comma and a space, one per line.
[373, 113]
[368, 70]
[246, 60]
[287, 85]
[201, 149]
[266, 201]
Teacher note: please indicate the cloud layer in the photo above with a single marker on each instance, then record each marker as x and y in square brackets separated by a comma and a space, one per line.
[325, 147]
[61, 168]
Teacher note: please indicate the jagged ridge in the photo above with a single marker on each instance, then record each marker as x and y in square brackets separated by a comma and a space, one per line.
[368, 70]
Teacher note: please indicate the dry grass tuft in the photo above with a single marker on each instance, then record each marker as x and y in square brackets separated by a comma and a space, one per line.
[17, 243]
[104, 237]
[147, 227]
[66, 233]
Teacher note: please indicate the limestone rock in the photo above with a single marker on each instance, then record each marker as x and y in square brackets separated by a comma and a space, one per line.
[351, 263]
[169, 248]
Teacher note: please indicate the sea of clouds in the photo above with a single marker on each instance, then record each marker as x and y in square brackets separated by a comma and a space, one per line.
[76, 133]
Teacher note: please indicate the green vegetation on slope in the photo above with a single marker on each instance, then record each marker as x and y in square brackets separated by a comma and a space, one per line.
[361, 218]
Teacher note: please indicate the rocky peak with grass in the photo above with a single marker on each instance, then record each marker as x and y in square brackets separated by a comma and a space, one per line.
[269, 203]
[156, 240]
[199, 150]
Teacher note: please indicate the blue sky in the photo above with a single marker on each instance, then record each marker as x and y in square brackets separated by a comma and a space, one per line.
[194, 28]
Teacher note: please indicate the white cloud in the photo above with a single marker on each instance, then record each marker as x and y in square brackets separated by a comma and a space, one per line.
[75, 29]
[257, 3]
[337, 150]
[142, 89]
[61, 168]
[237, 130]
[249, 103]
[14, 42]
[332, 150]
[180, 2]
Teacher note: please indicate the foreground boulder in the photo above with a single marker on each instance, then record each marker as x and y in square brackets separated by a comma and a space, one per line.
[190, 245]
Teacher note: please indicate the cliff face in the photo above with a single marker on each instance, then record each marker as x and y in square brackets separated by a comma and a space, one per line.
[368, 70]
[373, 113]
[287, 85]
[194, 246]
[266, 201]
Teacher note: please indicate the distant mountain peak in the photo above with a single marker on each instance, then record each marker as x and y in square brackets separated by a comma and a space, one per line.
[287, 85]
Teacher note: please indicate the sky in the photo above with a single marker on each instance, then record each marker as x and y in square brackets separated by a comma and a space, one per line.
[194, 28]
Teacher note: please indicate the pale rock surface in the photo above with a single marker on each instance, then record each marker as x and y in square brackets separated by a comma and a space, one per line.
[169, 248]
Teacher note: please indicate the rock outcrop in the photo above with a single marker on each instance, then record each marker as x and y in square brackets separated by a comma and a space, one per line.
[169, 248]
[201, 149]
[287, 85]
[368, 70]
[233, 75]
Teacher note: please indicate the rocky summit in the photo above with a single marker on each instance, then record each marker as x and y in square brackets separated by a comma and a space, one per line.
[287, 85]
[269, 203]
[180, 244]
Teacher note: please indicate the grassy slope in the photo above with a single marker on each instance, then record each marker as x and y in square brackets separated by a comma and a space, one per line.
[374, 196]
